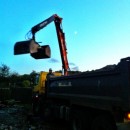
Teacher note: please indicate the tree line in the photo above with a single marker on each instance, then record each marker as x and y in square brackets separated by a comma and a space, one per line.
[13, 79]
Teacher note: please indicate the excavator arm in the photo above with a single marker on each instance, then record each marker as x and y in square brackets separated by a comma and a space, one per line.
[35, 47]
[43, 24]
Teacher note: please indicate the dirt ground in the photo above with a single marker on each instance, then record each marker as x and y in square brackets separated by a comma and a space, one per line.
[15, 117]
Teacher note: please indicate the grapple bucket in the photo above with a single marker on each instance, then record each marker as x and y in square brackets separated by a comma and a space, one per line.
[32, 47]
[24, 47]
[42, 52]
[21, 47]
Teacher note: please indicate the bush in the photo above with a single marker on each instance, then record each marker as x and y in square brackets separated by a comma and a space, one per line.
[26, 83]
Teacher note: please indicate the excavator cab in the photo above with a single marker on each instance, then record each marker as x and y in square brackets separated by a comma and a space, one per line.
[32, 47]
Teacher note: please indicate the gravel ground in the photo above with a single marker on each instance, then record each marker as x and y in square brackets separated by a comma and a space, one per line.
[15, 118]
[12, 118]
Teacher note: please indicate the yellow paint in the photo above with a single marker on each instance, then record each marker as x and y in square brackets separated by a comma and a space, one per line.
[40, 87]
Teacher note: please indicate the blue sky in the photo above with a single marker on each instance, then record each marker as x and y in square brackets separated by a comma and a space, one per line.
[97, 32]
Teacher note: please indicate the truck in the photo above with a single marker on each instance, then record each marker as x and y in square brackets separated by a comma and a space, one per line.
[92, 100]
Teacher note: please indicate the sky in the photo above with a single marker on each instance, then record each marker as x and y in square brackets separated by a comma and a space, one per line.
[97, 33]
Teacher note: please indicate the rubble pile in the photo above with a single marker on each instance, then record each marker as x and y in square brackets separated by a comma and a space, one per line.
[12, 117]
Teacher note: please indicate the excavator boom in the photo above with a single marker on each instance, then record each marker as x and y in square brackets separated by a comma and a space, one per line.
[61, 38]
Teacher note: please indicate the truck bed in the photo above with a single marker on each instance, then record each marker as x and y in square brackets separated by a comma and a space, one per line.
[104, 88]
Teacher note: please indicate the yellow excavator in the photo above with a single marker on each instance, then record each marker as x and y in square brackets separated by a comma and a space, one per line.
[39, 88]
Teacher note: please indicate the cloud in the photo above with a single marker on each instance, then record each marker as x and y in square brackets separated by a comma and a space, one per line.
[53, 60]
[73, 64]
[76, 68]
[75, 32]
[73, 67]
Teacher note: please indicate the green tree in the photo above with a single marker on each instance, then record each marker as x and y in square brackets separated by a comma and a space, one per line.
[4, 70]
[14, 78]
[33, 77]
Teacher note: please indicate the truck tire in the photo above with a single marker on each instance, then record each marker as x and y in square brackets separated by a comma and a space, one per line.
[77, 124]
[80, 124]
[103, 123]
[81, 119]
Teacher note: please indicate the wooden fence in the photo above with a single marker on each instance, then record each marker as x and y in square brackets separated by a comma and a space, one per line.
[5, 94]
[21, 94]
